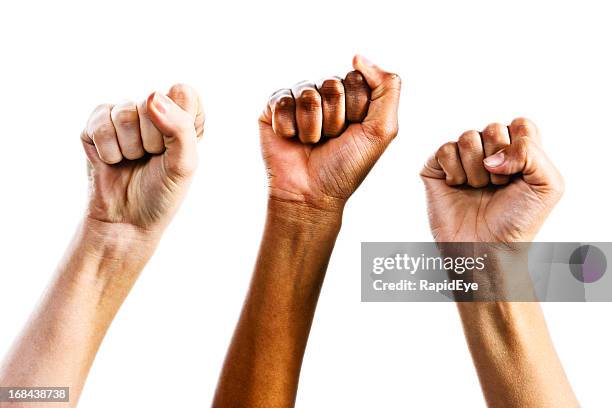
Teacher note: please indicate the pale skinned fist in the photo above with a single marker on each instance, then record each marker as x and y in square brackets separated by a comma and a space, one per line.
[142, 157]
[496, 186]
[320, 140]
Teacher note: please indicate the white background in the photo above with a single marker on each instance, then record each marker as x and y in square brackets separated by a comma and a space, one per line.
[464, 64]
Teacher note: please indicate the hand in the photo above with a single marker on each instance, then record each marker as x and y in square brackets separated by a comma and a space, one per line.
[494, 186]
[142, 157]
[320, 141]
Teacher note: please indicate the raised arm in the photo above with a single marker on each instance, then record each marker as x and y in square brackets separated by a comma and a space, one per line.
[497, 187]
[141, 160]
[319, 141]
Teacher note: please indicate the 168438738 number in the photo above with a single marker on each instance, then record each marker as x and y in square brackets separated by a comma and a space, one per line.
[34, 394]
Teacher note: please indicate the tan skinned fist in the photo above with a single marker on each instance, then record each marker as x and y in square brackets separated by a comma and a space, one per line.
[496, 186]
[142, 157]
[319, 141]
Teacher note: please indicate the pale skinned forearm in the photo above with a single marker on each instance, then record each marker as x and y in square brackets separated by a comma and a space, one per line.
[59, 343]
[514, 356]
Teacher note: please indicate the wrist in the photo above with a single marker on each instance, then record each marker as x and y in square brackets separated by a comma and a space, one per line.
[501, 272]
[301, 215]
[110, 240]
[296, 247]
[104, 251]
[100, 266]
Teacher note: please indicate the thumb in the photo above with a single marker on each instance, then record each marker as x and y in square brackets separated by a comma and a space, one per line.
[188, 99]
[525, 156]
[385, 95]
[177, 127]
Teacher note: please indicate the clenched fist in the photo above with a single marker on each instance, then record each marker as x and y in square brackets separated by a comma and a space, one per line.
[319, 141]
[497, 185]
[142, 157]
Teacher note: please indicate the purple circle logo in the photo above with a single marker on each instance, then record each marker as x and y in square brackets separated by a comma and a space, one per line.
[588, 263]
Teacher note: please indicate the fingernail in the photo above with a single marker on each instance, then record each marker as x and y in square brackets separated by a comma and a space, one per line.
[160, 102]
[496, 160]
[366, 61]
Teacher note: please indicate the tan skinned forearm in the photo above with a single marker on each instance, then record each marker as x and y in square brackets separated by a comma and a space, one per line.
[263, 363]
[59, 343]
[514, 356]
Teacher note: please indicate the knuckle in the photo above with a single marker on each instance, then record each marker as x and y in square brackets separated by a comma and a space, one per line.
[446, 150]
[285, 103]
[103, 107]
[103, 132]
[125, 116]
[354, 78]
[355, 84]
[278, 95]
[101, 113]
[522, 121]
[524, 126]
[309, 100]
[467, 138]
[184, 95]
[181, 90]
[332, 88]
[492, 130]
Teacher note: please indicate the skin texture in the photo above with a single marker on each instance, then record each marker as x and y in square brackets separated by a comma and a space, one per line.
[463, 207]
[498, 186]
[309, 184]
[141, 159]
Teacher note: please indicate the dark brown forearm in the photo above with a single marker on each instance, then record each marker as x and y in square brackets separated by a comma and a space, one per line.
[263, 363]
